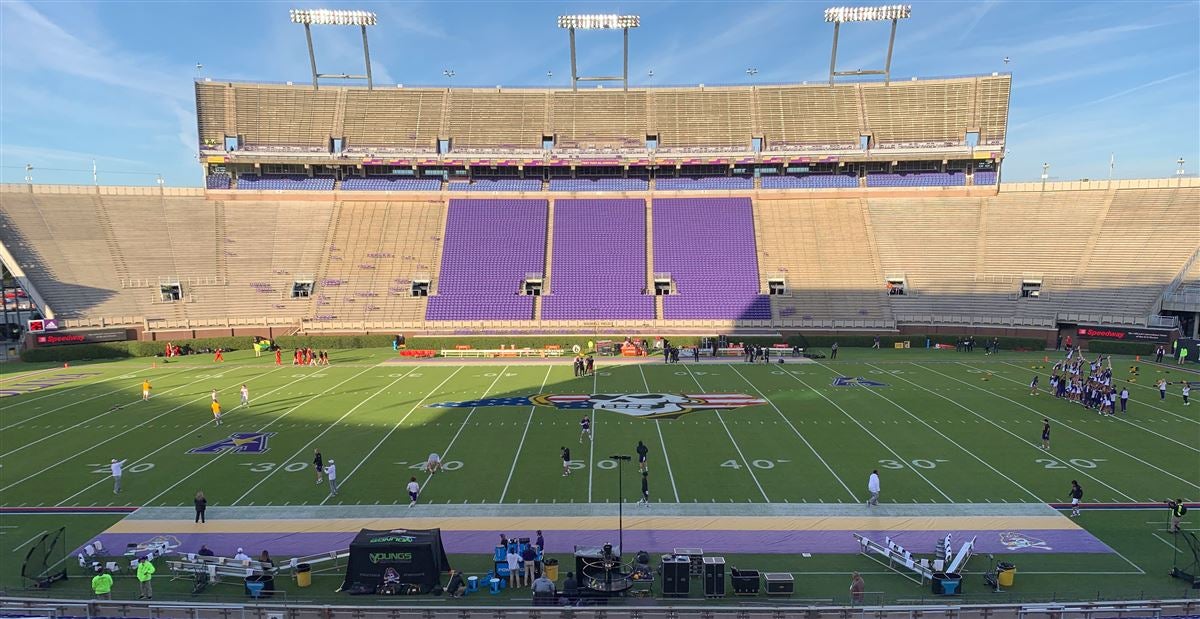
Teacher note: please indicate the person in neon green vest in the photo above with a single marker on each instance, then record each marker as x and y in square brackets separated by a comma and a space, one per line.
[145, 572]
[102, 585]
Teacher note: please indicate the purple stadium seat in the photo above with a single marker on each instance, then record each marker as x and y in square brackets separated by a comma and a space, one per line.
[490, 246]
[391, 183]
[217, 181]
[985, 177]
[811, 181]
[599, 262]
[499, 184]
[286, 182]
[707, 245]
[686, 183]
[917, 179]
[599, 184]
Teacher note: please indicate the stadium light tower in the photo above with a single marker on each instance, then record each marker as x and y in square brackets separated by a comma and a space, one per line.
[850, 14]
[330, 17]
[599, 22]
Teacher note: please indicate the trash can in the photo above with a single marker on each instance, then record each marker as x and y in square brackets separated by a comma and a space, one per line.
[472, 584]
[1005, 572]
[551, 566]
[304, 575]
[494, 585]
[936, 583]
[952, 585]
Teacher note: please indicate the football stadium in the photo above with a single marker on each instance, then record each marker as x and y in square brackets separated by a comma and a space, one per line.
[601, 349]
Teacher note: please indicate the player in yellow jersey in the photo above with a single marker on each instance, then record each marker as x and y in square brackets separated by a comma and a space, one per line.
[216, 410]
[146, 389]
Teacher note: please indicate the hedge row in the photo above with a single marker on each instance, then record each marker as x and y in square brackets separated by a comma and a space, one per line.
[120, 350]
[1121, 348]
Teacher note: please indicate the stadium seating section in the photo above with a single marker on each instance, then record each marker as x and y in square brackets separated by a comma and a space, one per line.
[917, 179]
[708, 247]
[704, 183]
[811, 181]
[391, 183]
[599, 184]
[285, 182]
[99, 257]
[501, 184]
[598, 262]
[490, 248]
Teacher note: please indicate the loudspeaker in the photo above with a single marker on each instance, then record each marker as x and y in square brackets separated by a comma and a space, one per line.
[714, 576]
[676, 582]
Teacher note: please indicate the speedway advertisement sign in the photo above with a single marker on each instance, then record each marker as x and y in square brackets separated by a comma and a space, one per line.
[1153, 336]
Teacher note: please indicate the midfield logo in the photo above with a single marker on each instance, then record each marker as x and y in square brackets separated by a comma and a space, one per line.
[856, 381]
[642, 405]
[242, 442]
[1019, 541]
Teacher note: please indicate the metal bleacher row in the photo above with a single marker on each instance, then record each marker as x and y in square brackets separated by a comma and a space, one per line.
[297, 118]
[101, 255]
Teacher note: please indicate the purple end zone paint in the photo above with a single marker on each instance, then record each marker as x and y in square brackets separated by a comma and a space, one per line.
[1052, 541]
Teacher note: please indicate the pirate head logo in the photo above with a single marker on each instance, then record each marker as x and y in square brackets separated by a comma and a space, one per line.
[640, 405]
[1014, 540]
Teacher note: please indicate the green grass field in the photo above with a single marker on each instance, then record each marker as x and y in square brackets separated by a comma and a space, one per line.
[946, 428]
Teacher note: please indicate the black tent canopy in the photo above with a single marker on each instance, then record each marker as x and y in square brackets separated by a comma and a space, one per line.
[399, 556]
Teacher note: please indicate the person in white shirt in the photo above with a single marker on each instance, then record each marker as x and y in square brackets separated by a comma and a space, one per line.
[873, 488]
[241, 555]
[514, 567]
[214, 395]
[331, 475]
[245, 396]
[1187, 391]
[413, 490]
[116, 474]
[433, 464]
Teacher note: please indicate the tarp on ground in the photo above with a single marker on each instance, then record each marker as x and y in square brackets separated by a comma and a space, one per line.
[403, 556]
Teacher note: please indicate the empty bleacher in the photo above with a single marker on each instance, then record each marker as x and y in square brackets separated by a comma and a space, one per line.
[390, 183]
[493, 119]
[599, 119]
[687, 117]
[376, 251]
[818, 115]
[822, 250]
[383, 120]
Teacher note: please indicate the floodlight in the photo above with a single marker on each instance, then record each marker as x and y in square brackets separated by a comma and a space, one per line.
[571, 23]
[334, 17]
[598, 22]
[331, 17]
[839, 15]
[843, 14]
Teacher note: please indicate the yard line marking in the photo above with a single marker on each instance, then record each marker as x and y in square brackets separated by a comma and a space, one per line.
[1156, 536]
[952, 441]
[70, 457]
[453, 439]
[870, 433]
[504, 492]
[592, 440]
[802, 438]
[1018, 437]
[1073, 429]
[661, 440]
[109, 412]
[731, 439]
[327, 427]
[18, 546]
[164, 446]
[1148, 387]
[419, 402]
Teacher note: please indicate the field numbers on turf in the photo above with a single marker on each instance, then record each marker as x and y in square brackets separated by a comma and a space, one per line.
[886, 371]
[919, 463]
[447, 465]
[758, 464]
[267, 467]
[1077, 462]
[141, 467]
[408, 375]
[607, 464]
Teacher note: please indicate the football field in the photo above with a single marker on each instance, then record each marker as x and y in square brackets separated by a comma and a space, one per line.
[941, 428]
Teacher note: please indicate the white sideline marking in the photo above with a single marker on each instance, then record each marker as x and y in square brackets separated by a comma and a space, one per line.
[516, 456]
[23, 401]
[745, 462]
[591, 440]
[661, 440]
[789, 423]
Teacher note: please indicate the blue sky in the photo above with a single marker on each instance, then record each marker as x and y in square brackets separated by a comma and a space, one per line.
[113, 81]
